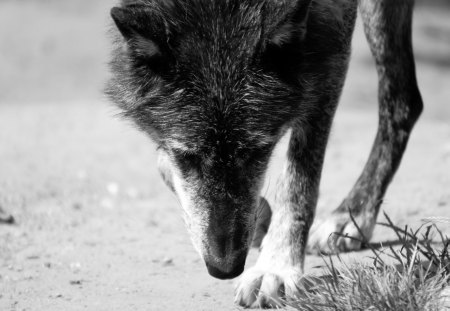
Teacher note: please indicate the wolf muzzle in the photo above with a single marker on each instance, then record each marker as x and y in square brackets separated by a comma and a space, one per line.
[226, 252]
[228, 268]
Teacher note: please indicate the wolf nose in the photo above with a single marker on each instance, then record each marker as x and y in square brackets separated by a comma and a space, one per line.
[228, 267]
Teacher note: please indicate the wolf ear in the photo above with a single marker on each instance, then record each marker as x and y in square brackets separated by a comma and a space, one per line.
[144, 31]
[282, 48]
[293, 26]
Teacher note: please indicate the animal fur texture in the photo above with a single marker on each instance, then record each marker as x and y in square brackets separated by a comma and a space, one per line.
[215, 84]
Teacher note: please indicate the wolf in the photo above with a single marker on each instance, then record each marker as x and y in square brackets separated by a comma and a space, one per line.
[215, 84]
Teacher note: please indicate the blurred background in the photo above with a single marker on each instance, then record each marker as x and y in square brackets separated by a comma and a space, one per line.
[53, 50]
[57, 50]
[93, 219]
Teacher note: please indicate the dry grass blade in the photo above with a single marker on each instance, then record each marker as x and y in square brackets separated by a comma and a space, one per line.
[444, 220]
[417, 279]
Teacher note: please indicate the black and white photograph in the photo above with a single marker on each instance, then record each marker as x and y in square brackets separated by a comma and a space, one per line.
[162, 155]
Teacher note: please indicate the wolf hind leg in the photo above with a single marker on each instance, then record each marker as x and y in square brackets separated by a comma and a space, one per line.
[387, 26]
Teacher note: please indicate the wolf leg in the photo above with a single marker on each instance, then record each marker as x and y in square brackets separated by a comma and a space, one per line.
[280, 264]
[388, 29]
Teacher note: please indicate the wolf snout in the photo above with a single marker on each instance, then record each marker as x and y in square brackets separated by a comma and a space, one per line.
[227, 267]
[226, 251]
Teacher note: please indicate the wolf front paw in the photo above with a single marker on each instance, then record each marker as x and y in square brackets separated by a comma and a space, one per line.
[339, 233]
[260, 288]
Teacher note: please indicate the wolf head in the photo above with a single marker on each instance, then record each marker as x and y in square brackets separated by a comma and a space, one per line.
[214, 84]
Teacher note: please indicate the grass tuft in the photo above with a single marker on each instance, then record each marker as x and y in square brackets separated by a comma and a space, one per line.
[415, 278]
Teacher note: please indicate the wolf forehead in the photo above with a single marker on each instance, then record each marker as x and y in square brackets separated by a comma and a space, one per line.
[190, 71]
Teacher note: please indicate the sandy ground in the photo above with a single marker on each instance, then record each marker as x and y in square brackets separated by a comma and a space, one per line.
[97, 229]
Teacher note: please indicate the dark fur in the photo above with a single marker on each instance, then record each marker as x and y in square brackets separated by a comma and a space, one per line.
[228, 78]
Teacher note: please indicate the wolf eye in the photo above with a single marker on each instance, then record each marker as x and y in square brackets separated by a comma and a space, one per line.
[188, 161]
[254, 156]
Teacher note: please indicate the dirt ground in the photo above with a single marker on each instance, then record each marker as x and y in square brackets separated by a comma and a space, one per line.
[97, 229]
